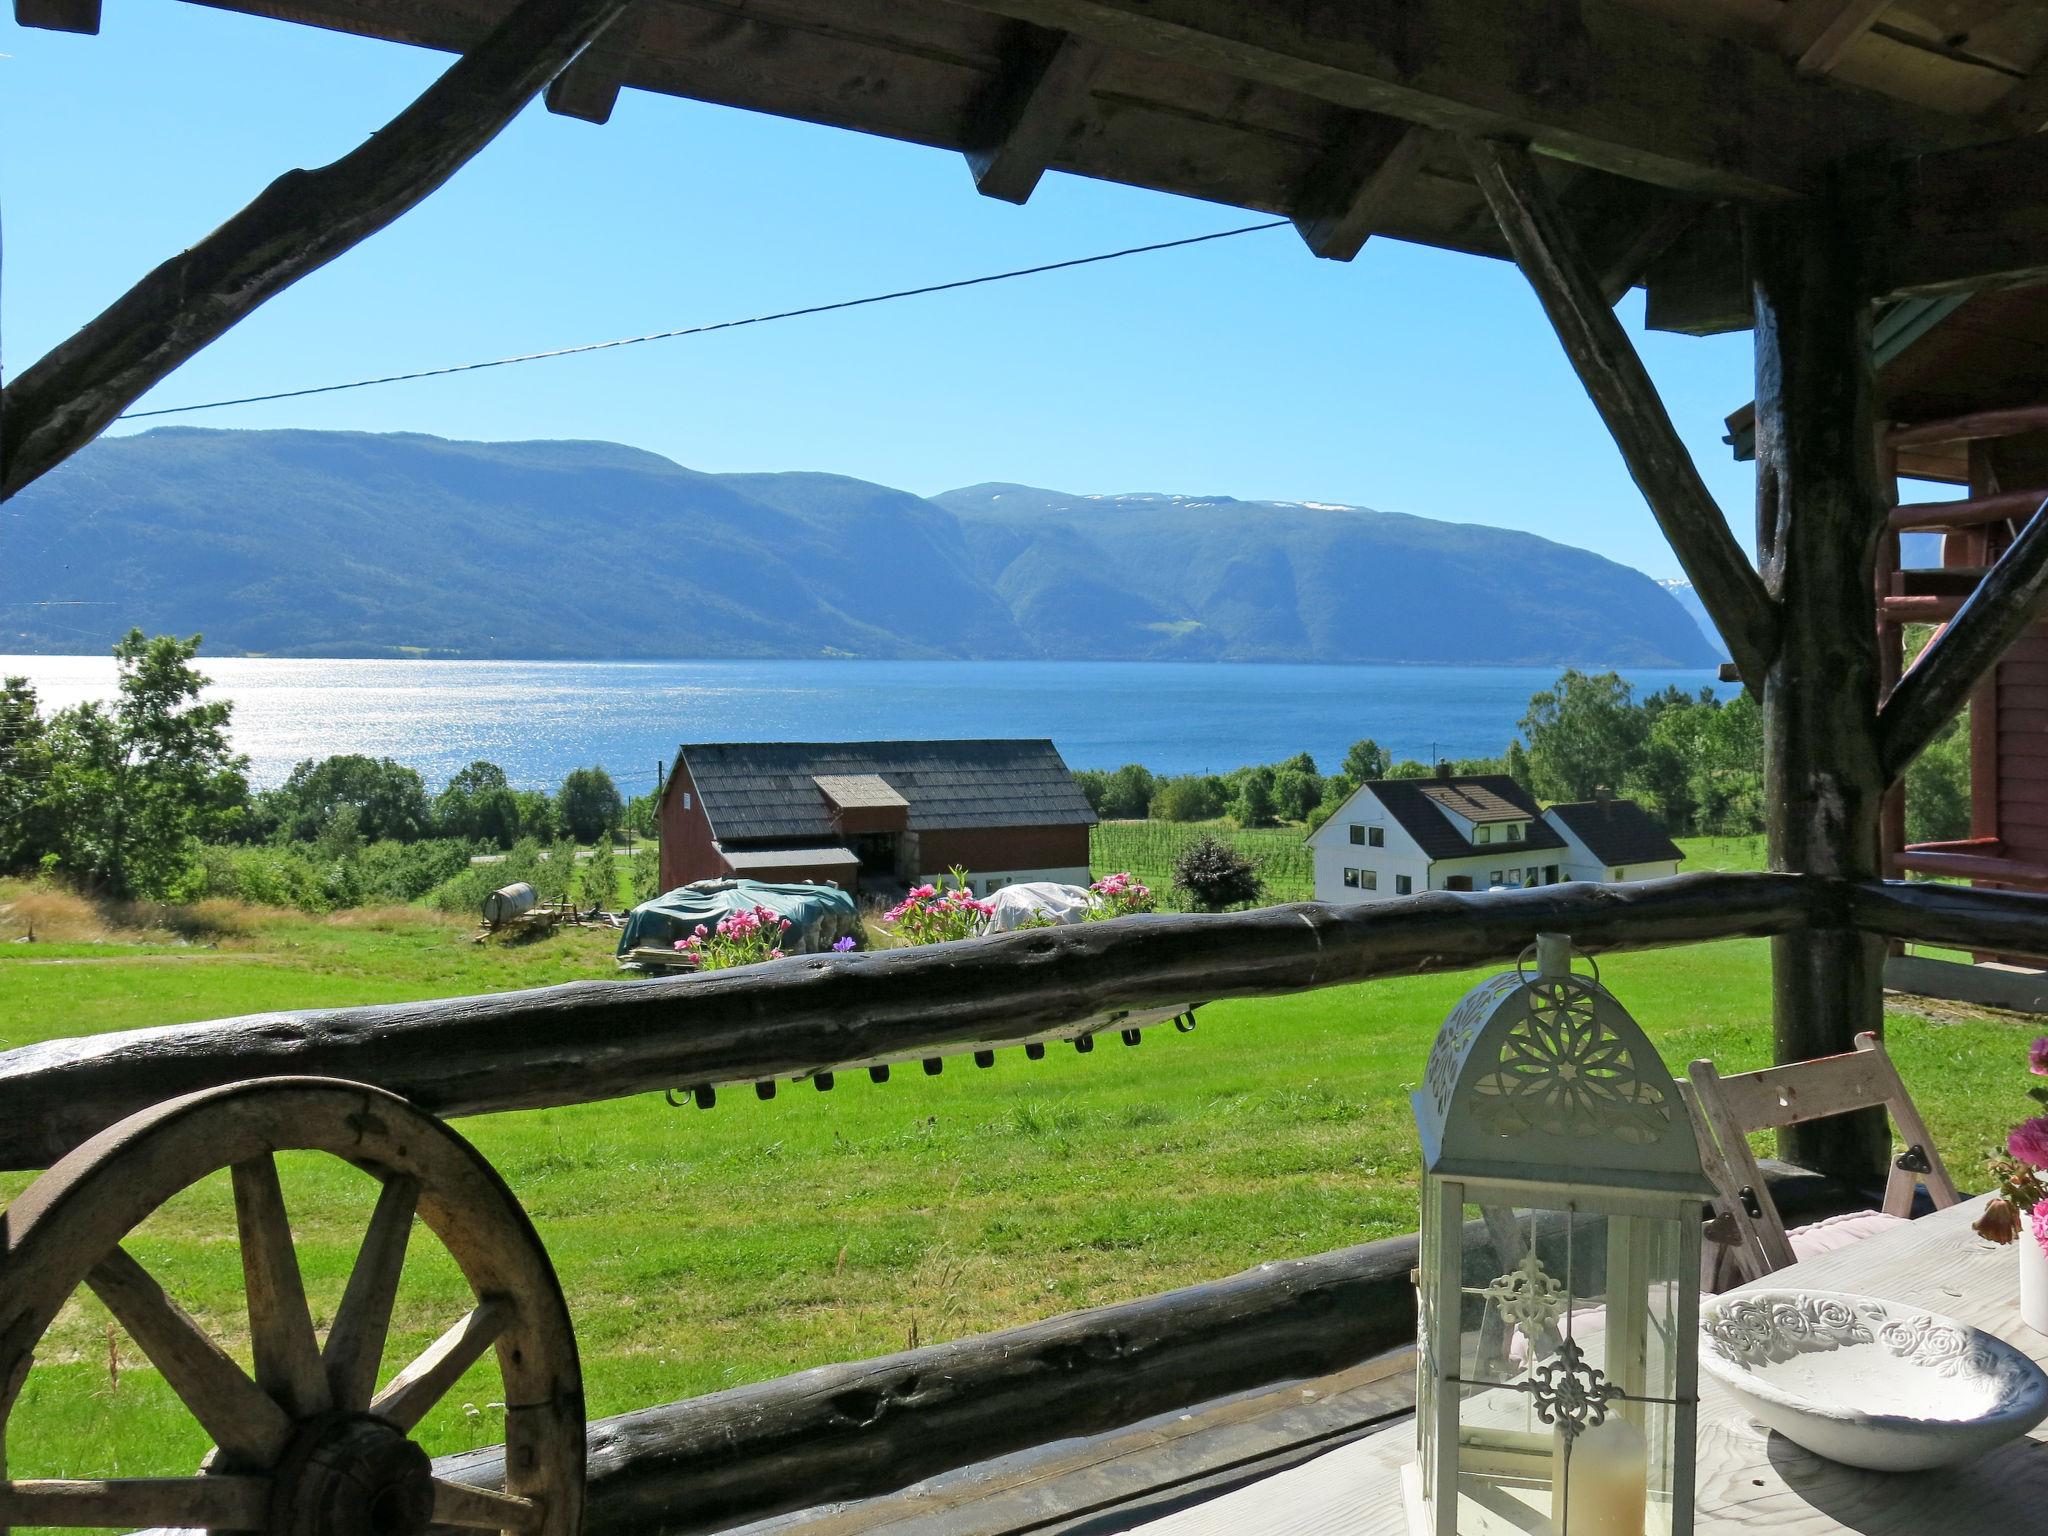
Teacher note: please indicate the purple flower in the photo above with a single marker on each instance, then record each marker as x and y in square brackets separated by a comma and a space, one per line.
[2037, 1057]
[2029, 1141]
[841, 946]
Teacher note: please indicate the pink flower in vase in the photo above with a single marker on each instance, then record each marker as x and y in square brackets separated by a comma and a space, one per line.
[2029, 1142]
[2038, 1223]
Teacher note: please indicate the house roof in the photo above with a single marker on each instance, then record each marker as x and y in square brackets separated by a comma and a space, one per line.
[858, 791]
[757, 790]
[1617, 831]
[1417, 804]
[1474, 801]
[743, 859]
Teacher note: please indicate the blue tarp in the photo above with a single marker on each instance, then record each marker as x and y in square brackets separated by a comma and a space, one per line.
[818, 914]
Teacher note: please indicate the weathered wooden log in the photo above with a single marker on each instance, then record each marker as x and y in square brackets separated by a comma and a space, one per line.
[295, 226]
[1954, 916]
[871, 1426]
[1819, 515]
[1568, 287]
[596, 1039]
[1934, 690]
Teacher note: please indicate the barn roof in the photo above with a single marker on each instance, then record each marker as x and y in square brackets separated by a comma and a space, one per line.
[753, 791]
[1651, 117]
[1417, 805]
[1617, 831]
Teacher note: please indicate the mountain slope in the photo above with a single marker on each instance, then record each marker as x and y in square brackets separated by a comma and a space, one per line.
[341, 544]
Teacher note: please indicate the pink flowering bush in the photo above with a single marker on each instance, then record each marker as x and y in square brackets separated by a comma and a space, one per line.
[2022, 1168]
[1119, 895]
[930, 915]
[741, 938]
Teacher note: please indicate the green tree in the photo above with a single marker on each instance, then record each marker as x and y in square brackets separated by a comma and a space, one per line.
[478, 804]
[1254, 806]
[536, 814]
[1584, 734]
[389, 800]
[1127, 794]
[135, 786]
[1728, 772]
[25, 828]
[642, 817]
[588, 803]
[1938, 787]
[1365, 760]
[1188, 797]
[1295, 793]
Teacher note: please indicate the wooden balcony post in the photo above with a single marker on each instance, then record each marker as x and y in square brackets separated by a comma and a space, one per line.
[1819, 516]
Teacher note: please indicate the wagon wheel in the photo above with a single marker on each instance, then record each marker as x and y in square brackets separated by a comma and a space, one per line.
[310, 1446]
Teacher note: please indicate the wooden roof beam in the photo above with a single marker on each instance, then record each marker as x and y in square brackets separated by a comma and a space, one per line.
[589, 88]
[2005, 605]
[1357, 181]
[1569, 287]
[1817, 34]
[296, 225]
[1032, 113]
[59, 15]
[1688, 110]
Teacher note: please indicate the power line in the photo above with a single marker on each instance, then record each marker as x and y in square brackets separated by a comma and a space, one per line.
[720, 325]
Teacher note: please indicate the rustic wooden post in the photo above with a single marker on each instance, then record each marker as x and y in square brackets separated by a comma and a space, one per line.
[1819, 515]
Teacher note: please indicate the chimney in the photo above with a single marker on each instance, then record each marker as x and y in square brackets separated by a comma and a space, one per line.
[1443, 768]
[1603, 794]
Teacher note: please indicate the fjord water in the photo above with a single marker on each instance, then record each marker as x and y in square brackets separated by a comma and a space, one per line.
[538, 720]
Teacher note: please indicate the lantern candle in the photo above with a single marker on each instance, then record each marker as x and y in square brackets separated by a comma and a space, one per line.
[1604, 1488]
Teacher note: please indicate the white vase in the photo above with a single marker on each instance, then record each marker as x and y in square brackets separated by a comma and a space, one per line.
[2033, 1280]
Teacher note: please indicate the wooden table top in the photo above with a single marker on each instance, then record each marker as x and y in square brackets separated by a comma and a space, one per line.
[1749, 1478]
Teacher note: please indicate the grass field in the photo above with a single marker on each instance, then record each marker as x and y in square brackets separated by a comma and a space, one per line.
[702, 1249]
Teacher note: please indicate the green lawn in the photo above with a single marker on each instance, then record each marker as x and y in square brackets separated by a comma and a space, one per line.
[702, 1249]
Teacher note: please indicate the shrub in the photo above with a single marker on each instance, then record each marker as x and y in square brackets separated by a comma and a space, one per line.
[929, 915]
[1191, 797]
[741, 938]
[1119, 895]
[1213, 875]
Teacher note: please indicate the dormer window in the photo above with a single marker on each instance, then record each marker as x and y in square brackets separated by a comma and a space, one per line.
[1514, 831]
[1482, 834]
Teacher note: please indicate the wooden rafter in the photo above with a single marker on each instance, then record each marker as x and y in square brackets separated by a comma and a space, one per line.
[1816, 34]
[1703, 114]
[1566, 283]
[58, 15]
[589, 88]
[1361, 176]
[298, 224]
[2009, 599]
[1036, 109]
[1624, 226]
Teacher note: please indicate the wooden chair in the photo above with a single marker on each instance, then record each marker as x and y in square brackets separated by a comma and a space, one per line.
[1734, 1107]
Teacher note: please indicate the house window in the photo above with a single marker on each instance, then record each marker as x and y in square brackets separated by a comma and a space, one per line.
[1377, 836]
[1616, 875]
[1351, 878]
[1403, 885]
[1495, 879]
[1514, 831]
[686, 799]
[1550, 874]
[1369, 879]
[1357, 833]
[1482, 835]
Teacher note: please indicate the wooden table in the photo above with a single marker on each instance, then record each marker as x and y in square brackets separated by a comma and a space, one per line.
[1749, 1478]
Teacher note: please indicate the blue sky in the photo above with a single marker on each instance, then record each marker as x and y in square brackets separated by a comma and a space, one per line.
[1409, 379]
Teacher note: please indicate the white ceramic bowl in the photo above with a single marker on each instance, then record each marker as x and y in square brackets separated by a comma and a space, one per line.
[1871, 1383]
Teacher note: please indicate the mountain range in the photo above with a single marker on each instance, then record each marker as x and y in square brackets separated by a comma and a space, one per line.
[307, 543]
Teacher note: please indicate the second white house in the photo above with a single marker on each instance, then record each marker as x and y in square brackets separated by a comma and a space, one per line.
[1395, 837]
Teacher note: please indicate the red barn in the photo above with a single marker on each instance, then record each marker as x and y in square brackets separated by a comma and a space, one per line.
[892, 812]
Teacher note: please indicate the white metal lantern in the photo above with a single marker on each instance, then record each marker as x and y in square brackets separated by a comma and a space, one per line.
[1557, 1361]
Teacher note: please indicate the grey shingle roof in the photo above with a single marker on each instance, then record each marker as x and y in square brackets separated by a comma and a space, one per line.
[755, 790]
[1617, 831]
[1414, 804]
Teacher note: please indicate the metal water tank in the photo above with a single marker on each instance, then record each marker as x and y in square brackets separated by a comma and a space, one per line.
[507, 902]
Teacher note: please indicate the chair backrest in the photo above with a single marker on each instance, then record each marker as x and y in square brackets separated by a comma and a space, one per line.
[1776, 1097]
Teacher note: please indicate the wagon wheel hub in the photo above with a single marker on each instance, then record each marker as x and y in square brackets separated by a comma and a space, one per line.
[352, 1474]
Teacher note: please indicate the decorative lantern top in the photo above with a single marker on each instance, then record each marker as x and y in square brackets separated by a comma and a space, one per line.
[1545, 1077]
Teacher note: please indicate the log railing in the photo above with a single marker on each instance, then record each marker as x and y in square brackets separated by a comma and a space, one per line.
[598, 1040]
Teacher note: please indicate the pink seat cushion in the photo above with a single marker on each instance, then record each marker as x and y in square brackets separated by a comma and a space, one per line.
[1819, 1237]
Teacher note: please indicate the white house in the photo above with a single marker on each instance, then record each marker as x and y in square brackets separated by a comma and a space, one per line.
[1395, 837]
[1613, 840]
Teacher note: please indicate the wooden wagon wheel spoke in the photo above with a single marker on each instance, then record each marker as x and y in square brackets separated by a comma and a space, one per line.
[423, 1383]
[304, 1448]
[280, 1325]
[248, 1426]
[482, 1509]
[215, 1503]
[355, 1342]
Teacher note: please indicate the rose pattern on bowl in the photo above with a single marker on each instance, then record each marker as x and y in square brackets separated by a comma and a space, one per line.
[1775, 1328]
